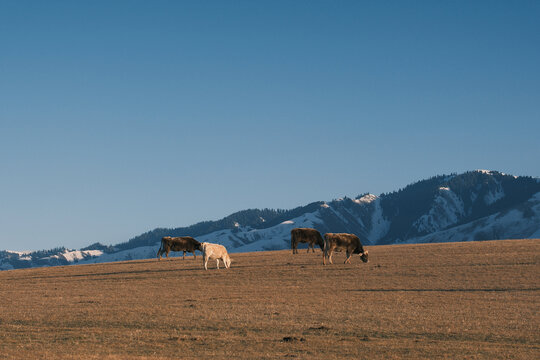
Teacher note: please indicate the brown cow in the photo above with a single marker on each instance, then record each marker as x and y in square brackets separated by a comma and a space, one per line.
[305, 235]
[339, 242]
[182, 243]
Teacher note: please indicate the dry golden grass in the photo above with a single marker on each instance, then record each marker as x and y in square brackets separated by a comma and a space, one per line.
[463, 300]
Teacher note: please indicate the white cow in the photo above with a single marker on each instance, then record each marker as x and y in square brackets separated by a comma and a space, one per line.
[215, 251]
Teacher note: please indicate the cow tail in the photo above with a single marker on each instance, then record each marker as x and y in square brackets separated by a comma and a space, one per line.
[325, 244]
[294, 240]
[321, 241]
[160, 248]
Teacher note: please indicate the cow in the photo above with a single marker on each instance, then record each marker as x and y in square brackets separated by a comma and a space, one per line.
[349, 243]
[217, 252]
[305, 235]
[182, 243]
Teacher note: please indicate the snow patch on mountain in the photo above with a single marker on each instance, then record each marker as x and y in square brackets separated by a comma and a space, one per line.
[509, 224]
[446, 210]
[76, 255]
[139, 253]
[495, 195]
[379, 224]
[366, 199]
[22, 255]
[339, 214]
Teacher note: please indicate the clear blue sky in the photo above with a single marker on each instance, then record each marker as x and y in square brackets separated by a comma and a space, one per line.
[117, 117]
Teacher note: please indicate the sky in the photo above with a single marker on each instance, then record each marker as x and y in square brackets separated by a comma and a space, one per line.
[118, 117]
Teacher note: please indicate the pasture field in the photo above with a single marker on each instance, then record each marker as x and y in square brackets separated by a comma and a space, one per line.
[478, 300]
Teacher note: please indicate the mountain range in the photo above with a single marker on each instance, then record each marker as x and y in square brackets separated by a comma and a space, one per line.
[472, 206]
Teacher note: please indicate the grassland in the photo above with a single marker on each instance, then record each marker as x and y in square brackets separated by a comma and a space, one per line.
[452, 301]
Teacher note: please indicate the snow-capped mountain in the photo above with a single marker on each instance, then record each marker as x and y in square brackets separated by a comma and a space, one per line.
[476, 205]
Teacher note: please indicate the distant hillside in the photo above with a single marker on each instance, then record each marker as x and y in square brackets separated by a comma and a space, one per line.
[476, 205]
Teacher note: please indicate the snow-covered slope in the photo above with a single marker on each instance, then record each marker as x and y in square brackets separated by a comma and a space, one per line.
[476, 205]
[245, 239]
[519, 222]
[239, 239]
[446, 210]
[14, 259]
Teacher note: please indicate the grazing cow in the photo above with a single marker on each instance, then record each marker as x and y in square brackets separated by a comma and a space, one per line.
[217, 252]
[339, 242]
[305, 235]
[182, 243]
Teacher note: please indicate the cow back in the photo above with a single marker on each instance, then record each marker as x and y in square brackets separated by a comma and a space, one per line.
[344, 241]
[307, 235]
[181, 243]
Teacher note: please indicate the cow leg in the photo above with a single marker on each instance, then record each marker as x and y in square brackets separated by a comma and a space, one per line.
[330, 256]
[194, 256]
[324, 257]
[184, 256]
[205, 261]
[348, 259]
[217, 263]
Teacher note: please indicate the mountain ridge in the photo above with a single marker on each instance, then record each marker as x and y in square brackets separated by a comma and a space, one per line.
[475, 205]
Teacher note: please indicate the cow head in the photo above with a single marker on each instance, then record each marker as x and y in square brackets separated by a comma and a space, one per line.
[364, 256]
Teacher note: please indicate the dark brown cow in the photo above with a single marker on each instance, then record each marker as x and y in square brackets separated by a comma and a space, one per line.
[182, 243]
[349, 243]
[305, 235]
